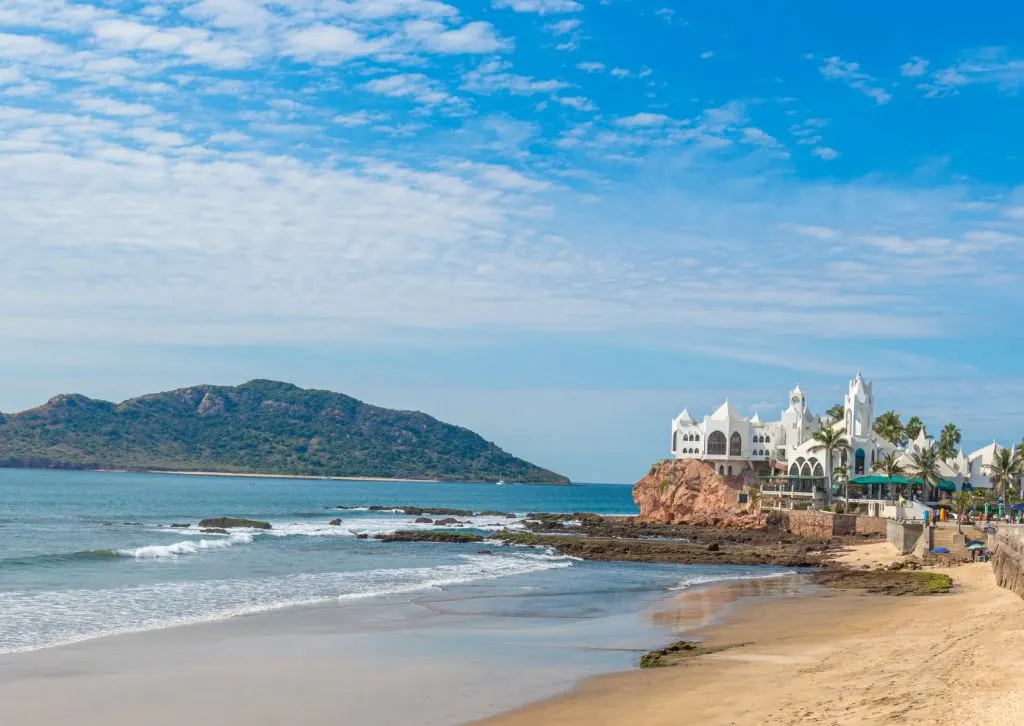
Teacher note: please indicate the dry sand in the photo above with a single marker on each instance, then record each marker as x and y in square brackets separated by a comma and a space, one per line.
[837, 659]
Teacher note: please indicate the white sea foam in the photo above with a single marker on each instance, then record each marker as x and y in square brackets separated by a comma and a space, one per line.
[187, 547]
[34, 620]
[696, 580]
[385, 525]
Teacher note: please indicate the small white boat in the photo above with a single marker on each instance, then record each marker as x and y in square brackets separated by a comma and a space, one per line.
[500, 483]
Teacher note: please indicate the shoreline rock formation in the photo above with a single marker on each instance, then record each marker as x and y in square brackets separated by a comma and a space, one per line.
[692, 492]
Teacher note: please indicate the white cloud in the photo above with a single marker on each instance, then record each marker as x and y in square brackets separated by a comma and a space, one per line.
[708, 54]
[835, 68]
[992, 66]
[643, 120]
[620, 72]
[10, 74]
[542, 7]
[580, 103]
[330, 44]
[591, 67]
[758, 137]
[493, 77]
[475, 37]
[113, 107]
[358, 118]
[812, 230]
[562, 27]
[157, 137]
[231, 138]
[914, 68]
[194, 43]
[410, 85]
[825, 153]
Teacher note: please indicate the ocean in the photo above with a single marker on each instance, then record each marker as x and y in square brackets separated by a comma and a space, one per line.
[84, 555]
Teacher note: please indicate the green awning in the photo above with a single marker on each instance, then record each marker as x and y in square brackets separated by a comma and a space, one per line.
[944, 485]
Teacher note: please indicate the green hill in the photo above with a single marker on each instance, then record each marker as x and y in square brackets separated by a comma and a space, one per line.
[259, 427]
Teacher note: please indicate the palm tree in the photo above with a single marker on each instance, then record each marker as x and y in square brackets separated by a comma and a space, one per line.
[842, 476]
[829, 440]
[949, 439]
[914, 426]
[890, 466]
[889, 427]
[963, 503]
[754, 497]
[924, 465]
[1005, 470]
[836, 413]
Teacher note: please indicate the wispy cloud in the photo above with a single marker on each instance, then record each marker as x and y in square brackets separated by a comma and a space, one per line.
[835, 68]
[541, 7]
[992, 66]
[914, 68]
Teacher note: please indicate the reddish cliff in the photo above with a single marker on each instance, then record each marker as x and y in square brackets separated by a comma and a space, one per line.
[691, 492]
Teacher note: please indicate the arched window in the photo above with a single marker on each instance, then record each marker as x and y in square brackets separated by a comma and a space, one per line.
[675, 441]
[730, 469]
[696, 437]
[736, 444]
[805, 470]
[858, 462]
[716, 443]
[819, 471]
[794, 470]
[721, 470]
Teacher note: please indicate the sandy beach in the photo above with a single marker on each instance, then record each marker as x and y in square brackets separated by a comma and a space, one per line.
[835, 658]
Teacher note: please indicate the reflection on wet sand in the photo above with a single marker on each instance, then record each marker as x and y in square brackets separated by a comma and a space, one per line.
[699, 607]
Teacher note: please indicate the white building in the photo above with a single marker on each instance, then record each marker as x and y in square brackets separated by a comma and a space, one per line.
[734, 442]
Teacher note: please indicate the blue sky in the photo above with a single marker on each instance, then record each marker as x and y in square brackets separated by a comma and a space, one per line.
[556, 222]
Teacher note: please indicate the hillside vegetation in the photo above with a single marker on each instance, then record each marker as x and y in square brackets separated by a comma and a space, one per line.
[259, 427]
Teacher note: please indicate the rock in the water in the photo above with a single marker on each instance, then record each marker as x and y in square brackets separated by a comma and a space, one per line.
[229, 522]
[421, 536]
[180, 526]
[362, 536]
[692, 492]
[424, 520]
[214, 530]
[334, 522]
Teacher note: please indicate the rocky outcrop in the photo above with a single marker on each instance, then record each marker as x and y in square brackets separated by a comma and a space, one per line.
[1008, 563]
[692, 492]
[229, 522]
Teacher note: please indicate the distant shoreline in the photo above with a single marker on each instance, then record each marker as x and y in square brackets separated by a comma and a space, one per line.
[310, 477]
[314, 477]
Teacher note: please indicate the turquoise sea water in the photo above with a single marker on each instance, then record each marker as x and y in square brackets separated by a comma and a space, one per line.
[88, 554]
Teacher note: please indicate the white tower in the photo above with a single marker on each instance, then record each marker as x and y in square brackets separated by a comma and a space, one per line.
[859, 408]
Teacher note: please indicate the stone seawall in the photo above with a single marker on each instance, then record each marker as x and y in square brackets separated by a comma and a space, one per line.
[823, 525]
[1008, 563]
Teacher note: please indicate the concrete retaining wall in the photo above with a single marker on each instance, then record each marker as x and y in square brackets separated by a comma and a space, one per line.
[904, 536]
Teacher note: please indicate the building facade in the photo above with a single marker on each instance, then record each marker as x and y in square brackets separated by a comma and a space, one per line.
[733, 442]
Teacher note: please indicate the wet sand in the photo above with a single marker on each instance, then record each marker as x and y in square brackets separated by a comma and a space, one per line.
[437, 659]
[834, 658]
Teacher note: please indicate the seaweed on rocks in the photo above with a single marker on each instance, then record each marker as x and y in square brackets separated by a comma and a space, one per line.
[229, 522]
[430, 536]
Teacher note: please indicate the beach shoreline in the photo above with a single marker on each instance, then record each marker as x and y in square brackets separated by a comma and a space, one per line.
[451, 663]
[826, 657]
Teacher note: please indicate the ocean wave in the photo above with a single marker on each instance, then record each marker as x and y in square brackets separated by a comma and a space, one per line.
[34, 620]
[696, 580]
[385, 525]
[186, 547]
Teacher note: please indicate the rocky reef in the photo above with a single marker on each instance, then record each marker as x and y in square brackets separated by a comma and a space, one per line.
[692, 492]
